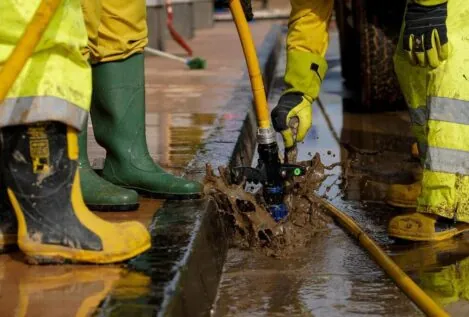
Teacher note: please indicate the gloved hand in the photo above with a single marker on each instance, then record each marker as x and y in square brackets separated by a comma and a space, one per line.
[303, 77]
[291, 106]
[425, 36]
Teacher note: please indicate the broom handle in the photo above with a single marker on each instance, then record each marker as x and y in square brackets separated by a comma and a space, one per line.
[174, 34]
[164, 54]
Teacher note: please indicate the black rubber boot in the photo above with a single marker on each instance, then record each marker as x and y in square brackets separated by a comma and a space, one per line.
[40, 167]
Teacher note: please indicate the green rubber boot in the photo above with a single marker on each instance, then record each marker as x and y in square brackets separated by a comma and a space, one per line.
[118, 114]
[98, 193]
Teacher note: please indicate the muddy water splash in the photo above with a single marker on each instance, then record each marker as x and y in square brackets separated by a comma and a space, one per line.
[253, 226]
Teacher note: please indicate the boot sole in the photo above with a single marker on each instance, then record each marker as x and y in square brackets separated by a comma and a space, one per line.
[401, 204]
[460, 228]
[131, 207]
[152, 195]
[8, 244]
[53, 254]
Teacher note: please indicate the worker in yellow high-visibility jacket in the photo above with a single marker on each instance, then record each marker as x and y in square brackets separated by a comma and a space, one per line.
[39, 122]
[433, 72]
[432, 67]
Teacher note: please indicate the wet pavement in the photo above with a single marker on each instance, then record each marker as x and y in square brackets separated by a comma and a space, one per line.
[182, 105]
[334, 276]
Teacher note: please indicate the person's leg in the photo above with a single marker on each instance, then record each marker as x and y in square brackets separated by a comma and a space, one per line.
[413, 83]
[98, 193]
[118, 106]
[39, 121]
[443, 204]
[307, 43]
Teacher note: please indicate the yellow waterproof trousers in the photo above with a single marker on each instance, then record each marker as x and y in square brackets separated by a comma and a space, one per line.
[116, 29]
[55, 83]
[307, 43]
[438, 101]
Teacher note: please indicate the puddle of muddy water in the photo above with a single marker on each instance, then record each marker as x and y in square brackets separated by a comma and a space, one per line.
[332, 277]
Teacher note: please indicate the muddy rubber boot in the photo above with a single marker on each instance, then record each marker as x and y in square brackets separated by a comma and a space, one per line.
[40, 166]
[118, 115]
[416, 226]
[404, 196]
[98, 193]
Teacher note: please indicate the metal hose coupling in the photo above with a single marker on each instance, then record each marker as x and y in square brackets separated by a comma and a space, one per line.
[266, 136]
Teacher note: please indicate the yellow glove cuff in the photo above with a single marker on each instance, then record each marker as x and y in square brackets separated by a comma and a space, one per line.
[429, 3]
[305, 73]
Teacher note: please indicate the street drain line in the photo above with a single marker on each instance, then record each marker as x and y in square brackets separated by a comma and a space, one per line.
[402, 280]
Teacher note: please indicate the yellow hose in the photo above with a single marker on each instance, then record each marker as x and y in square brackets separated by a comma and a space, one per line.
[250, 54]
[408, 286]
[26, 45]
[405, 283]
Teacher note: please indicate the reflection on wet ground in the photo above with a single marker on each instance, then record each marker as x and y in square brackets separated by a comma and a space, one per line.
[62, 290]
[334, 277]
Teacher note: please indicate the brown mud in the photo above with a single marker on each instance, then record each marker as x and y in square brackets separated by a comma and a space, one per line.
[252, 225]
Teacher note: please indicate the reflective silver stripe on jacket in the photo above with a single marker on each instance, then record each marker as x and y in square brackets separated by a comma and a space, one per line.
[26, 110]
[448, 109]
[447, 160]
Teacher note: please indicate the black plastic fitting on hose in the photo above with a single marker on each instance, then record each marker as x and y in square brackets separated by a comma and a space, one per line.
[247, 8]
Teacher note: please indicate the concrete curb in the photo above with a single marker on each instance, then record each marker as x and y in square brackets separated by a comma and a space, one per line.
[189, 240]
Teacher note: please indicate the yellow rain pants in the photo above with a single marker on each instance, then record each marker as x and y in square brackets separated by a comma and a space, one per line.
[116, 29]
[307, 43]
[438, 101]
[55, 83]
